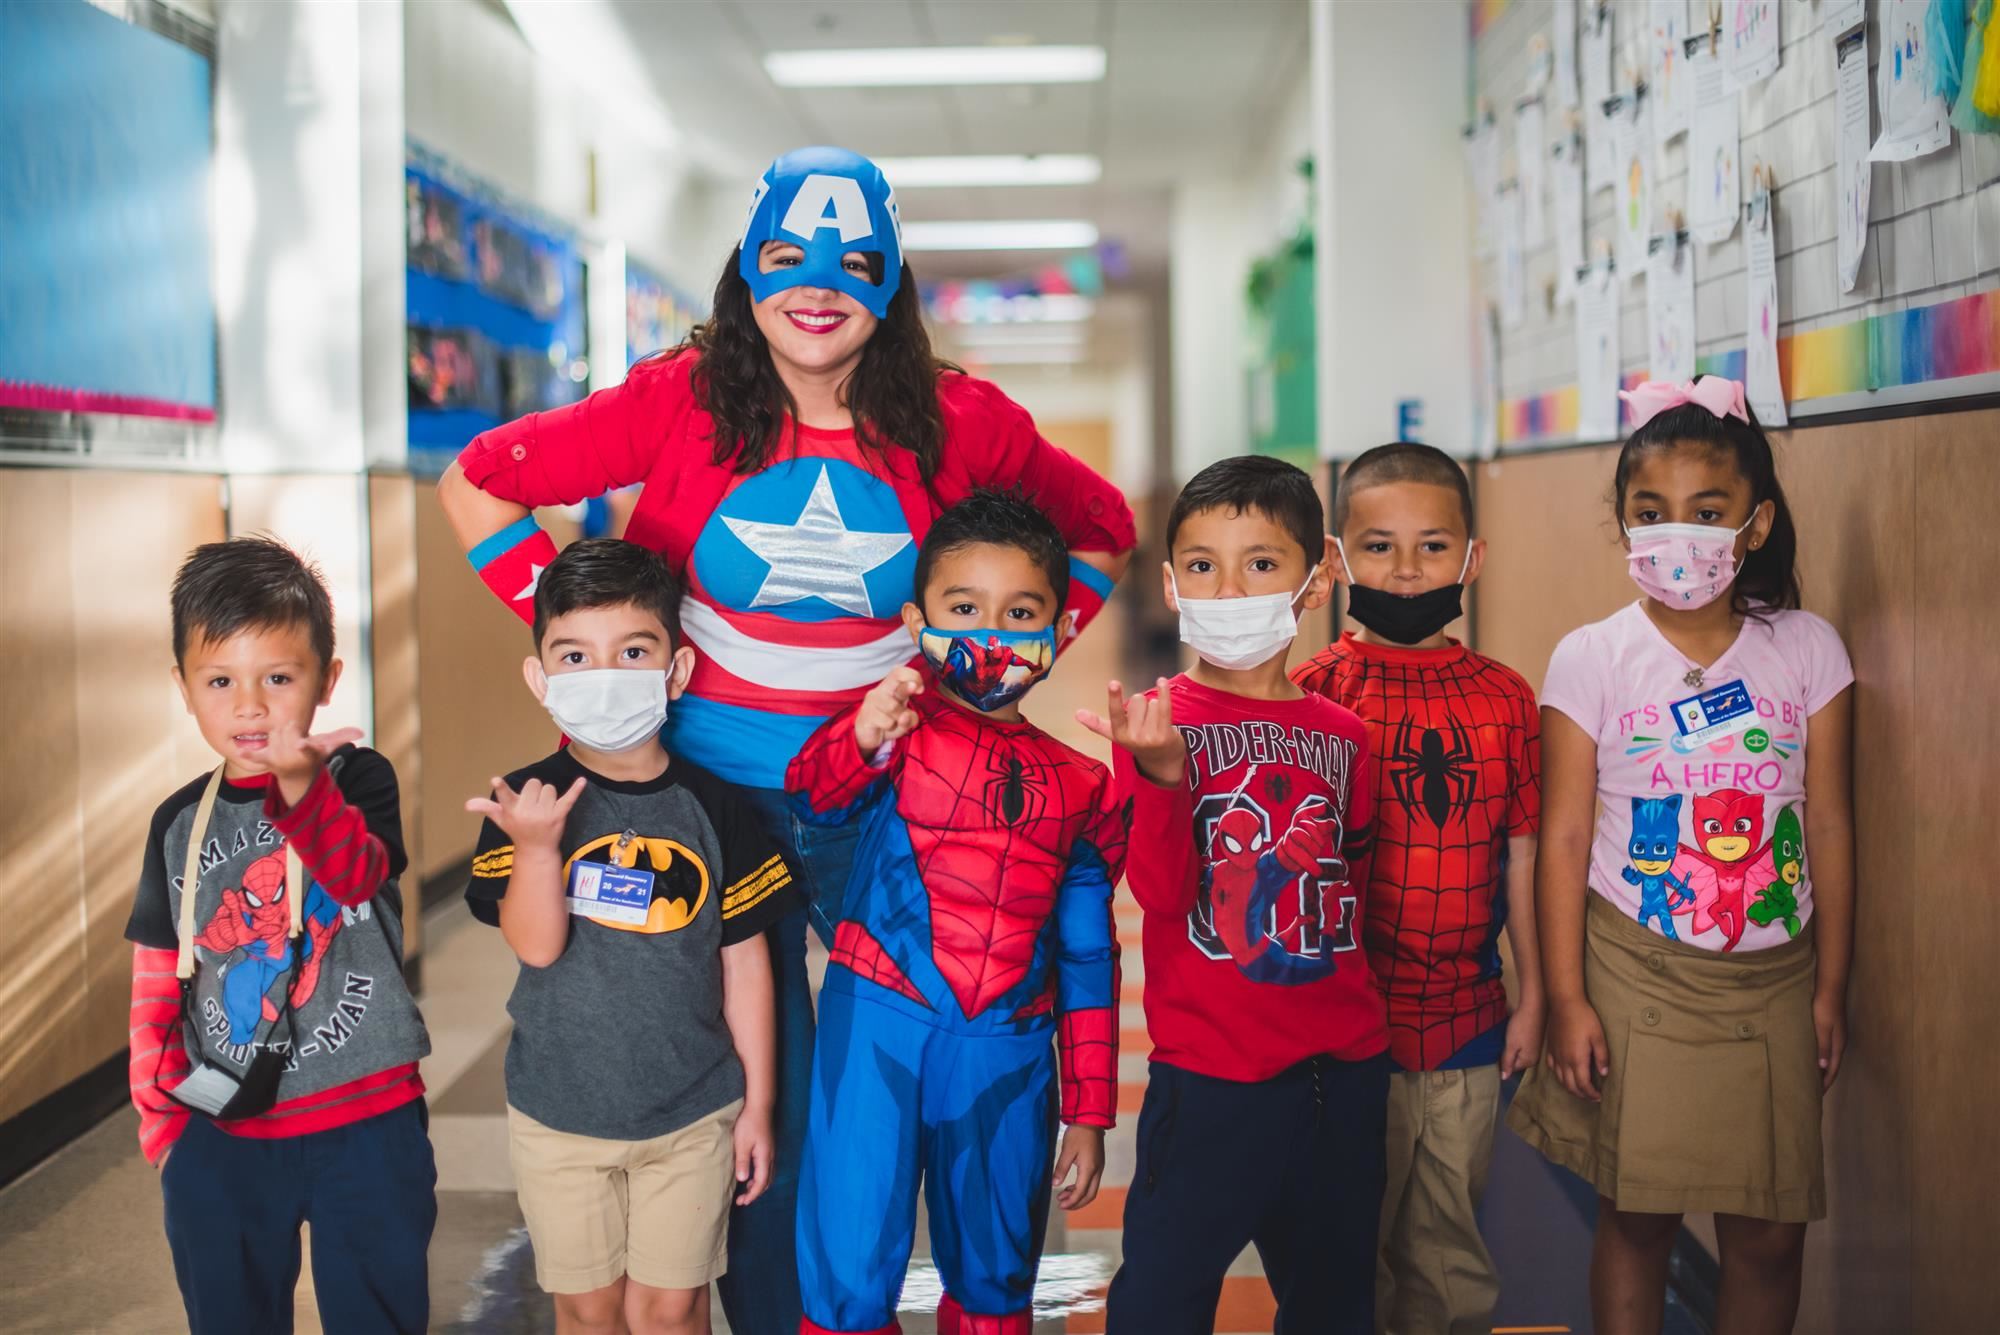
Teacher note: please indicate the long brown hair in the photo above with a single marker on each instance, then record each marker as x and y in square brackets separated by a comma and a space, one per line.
[892, 391]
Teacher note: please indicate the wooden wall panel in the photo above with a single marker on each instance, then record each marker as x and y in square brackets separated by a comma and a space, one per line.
[1898, 550]
[478, 718]
[99, 738]
[1552, 558]
[136, 743]
[1852, 490]
[1946, 893]
[41, 875]
[392, 572]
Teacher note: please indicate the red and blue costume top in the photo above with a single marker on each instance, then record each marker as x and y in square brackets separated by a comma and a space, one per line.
[980, 901]
[1251, 874]
[796, 574]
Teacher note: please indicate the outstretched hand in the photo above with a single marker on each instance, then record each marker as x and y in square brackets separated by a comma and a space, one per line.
[1144, 726]
[534, 817]
[295, 759]
[885, 712]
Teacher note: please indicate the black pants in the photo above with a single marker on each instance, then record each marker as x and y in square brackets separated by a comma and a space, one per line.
[1293, 1164]
[234, 1206]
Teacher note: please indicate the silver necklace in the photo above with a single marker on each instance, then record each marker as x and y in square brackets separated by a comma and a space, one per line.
[1693, 677]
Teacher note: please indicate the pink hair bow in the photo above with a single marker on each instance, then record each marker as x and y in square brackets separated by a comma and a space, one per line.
[1723, 398]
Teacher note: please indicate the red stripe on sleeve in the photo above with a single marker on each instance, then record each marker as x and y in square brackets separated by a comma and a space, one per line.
[158, 1060]
[333, 840]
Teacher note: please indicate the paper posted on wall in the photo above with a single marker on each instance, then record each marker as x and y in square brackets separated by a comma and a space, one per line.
[1566, 188]
[1632, 131]
[1915, 120]
[1597, 356]
[1599, 166]
[1752, 37]
[1715, 185]
[1761, 385]
[1855, 176]
[1666, 79]
[1670, 309]
[1531, 169]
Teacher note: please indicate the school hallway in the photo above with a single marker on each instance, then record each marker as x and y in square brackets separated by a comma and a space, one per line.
[83, 1250]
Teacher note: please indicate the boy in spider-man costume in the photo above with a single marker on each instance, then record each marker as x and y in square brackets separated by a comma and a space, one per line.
[256, 919]
[977, 926]
[1458, 803]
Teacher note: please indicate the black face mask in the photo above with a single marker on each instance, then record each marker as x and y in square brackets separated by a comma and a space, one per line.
[1405, 620]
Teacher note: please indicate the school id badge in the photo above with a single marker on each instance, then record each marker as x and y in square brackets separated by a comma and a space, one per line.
[1718, 712]
[610, 894]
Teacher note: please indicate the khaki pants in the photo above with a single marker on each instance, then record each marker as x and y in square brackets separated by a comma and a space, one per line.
[1433, 1274]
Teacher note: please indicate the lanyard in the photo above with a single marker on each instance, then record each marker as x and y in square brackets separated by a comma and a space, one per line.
[294, 879]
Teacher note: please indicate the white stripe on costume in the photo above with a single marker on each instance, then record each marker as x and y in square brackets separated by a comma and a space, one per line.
[789, 667]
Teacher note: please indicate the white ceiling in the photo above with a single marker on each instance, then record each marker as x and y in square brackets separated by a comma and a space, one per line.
[1189, 84]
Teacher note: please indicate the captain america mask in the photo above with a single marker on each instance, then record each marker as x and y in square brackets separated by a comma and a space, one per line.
[828, 202]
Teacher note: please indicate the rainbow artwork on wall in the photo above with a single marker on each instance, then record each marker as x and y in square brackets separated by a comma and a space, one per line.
[1946, 341]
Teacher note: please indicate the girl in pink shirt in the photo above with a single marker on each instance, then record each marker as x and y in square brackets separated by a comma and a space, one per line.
[1695, 745]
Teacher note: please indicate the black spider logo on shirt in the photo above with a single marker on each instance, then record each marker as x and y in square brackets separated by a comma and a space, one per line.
[1014, 791]
[1429, 776]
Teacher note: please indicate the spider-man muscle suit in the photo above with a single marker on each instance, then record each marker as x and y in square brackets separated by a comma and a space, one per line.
[977, 925]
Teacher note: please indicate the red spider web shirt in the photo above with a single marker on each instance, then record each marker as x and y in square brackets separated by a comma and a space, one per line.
[1458, 747]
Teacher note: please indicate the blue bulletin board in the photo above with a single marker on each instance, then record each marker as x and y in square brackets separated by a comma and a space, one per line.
[106, 299]
[497, 324]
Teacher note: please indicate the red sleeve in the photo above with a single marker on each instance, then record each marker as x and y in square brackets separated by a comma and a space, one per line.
[349, 860]
[997, 439]
[1160, 863]
[829, 772]
[158, 1059]
[570, 454]
[1524, 804]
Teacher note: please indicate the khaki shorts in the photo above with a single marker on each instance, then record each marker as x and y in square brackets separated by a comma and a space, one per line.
[1713, 1100]
[657, 1210]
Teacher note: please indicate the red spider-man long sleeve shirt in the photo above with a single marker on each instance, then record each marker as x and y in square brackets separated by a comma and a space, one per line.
[1250, 875]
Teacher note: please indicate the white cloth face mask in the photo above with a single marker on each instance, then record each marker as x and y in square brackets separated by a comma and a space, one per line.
[608, 709]
[1237, 634]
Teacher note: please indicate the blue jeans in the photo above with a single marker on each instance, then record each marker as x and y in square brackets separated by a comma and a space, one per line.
[760, 1294]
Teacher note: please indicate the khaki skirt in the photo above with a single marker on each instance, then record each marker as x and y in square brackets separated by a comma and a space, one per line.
[1713, 1098]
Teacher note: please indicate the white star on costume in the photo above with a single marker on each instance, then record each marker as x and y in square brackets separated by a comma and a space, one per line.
[534, 582]
[816, 555]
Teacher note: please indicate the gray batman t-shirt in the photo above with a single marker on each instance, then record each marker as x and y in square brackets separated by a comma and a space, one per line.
[622, 1037]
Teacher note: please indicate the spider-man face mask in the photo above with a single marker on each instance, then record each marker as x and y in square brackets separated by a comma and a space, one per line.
[827, 202]
[989, 669]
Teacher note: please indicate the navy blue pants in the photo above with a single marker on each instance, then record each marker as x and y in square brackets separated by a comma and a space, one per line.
[760, 1294]
[234, 1206]
[1293, 1165]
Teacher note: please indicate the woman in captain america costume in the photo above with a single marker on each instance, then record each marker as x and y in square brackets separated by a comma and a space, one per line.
[793, 452]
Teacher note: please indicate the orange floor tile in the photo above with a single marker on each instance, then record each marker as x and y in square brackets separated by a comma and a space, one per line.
[1136, 1042]
[1130, 1097]
[1246, 1305]
[1107, 1211]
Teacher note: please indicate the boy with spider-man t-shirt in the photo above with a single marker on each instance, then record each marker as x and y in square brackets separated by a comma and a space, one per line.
[976, 928]
[1457, 804]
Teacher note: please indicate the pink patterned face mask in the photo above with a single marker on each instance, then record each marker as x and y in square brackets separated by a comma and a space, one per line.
[1684, 566]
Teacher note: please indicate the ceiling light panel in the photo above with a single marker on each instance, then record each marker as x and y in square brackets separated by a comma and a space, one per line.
[934, 66]
[1001, 169]
[1041, 234]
